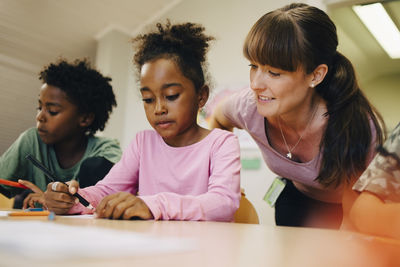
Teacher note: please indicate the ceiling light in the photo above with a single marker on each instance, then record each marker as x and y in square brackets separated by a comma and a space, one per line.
[384, 30]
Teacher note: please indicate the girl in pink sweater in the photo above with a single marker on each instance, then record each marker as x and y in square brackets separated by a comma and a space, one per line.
[179, 170]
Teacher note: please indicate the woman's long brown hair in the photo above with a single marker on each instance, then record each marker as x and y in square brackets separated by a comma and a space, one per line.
[301, 36]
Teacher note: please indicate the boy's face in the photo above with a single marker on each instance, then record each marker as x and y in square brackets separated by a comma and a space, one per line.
[57, 119]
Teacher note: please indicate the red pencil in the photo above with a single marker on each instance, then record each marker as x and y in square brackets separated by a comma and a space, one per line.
[14, 184]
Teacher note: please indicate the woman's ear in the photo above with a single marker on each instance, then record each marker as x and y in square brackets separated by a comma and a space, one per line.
[319, 74]
[203, 95]
[86, 120]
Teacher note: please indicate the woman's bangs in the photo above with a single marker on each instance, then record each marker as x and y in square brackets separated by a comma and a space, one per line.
[273, 44]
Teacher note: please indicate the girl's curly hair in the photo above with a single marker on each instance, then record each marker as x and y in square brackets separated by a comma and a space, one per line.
[185, 43]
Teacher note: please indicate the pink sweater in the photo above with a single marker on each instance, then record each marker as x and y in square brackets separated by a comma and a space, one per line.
[197, 182]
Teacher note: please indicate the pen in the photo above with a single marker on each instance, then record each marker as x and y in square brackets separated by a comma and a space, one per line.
[13, 184]
[54, 178]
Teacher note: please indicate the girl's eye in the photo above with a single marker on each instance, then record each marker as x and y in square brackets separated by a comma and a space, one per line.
[274, 74]
[52, 113]
[172, 97]
[147, 100]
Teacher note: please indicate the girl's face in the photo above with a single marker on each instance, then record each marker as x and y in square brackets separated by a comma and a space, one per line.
[170, 101]
[57, 119]
[280, 92]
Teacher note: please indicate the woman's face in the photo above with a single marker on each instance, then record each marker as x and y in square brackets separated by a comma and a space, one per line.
[280, 92]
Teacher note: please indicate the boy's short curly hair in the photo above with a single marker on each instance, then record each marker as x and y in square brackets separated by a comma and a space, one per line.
[85, 87]
[185, 43]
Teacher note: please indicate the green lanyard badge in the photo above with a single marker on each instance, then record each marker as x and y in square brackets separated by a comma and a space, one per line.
[274, 191]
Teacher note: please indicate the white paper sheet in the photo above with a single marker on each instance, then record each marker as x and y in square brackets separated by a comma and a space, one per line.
[46, 240]
[84, 216]
[3, 213]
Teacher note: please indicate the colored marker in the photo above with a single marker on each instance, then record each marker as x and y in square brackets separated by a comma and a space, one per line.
[34, 209]
[13, 184]
[29, 213]
[54, 178]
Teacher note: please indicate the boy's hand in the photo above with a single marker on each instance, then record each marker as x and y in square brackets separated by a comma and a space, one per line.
[58, 196]
[35, 197]
[123, 205]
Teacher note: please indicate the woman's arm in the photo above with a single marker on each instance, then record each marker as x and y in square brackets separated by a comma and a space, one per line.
[219, 120]
[371, 215]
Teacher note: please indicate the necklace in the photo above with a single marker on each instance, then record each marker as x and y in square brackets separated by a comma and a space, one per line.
[289, 154]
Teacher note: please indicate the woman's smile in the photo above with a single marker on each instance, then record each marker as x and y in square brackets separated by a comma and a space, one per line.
[262, 98]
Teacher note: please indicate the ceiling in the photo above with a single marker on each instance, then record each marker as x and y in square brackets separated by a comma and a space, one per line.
[356, 42]
[35, 32]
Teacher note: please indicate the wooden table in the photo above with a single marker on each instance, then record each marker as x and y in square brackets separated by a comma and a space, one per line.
[232, 244]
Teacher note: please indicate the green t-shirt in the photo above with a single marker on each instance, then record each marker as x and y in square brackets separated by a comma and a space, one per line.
[14, 165]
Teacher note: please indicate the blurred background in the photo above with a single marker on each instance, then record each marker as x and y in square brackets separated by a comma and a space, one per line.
[34, 33]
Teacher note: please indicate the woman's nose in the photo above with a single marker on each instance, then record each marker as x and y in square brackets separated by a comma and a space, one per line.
[258, 80]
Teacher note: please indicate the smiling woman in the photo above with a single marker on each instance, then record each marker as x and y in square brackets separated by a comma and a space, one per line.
[306, 112]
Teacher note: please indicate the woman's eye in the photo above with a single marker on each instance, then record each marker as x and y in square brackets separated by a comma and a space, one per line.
[252, 66]
[172, 97]
[53, 113]
[274, 74]
[147, 100]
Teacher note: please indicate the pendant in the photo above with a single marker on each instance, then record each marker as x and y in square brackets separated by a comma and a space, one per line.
[289, 155]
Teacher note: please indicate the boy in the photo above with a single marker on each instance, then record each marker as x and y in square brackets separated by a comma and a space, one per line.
[75, 101]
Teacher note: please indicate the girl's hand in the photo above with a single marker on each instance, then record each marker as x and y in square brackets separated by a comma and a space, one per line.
[123, 205]
[58, 196]
[35, 197]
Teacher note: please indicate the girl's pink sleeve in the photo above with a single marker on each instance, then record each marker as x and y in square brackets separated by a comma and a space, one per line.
[223, 196]
[123, 177]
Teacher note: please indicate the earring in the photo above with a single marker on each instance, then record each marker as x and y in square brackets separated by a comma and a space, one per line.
[312, 85]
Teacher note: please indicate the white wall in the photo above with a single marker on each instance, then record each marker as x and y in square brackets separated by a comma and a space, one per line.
[228, 21]
[19, 89]
[384, 94]
[114, 59]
